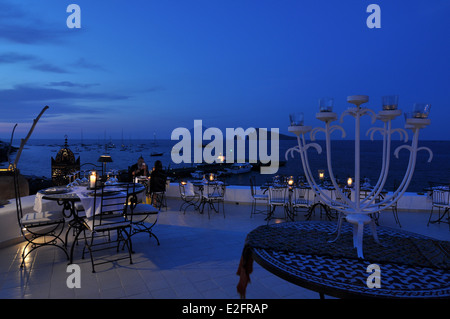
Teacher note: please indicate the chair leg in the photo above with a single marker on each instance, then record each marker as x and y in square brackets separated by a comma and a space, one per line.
[431, 214]
[397, 220]
[223, 208]
[253, 208]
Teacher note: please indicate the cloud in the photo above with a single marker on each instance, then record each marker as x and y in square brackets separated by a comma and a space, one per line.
[84, 64]
[71, 84]
[28, 93]
[10, 11]
[22, 102]
[35, 62]
[28, 34]
[47, 67]
[13, 57]
[33, 31]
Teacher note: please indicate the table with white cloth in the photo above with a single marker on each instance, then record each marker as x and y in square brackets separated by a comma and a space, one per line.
[78, 203]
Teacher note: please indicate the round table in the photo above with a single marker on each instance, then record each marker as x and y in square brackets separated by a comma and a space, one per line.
[68, 199]
[411, 265]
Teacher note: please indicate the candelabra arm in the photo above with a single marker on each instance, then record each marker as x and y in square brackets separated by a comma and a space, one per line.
[403, 134]
[309, 177]
[376, 191]
[358, 112]
[328, 131]
[314, 131]
[413, 149]
[384, 159]
[370, 112]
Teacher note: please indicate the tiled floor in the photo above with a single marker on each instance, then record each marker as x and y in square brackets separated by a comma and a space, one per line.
[198, 258]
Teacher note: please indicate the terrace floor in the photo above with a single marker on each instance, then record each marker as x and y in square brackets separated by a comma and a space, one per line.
[198, 258]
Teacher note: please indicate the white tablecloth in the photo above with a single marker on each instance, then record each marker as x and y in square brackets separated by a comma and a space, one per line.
[86, 200]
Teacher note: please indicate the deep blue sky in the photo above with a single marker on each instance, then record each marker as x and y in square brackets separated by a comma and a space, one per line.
[151, 66]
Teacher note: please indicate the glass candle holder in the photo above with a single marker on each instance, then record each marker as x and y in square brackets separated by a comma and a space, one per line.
[290, 181]
[421, 110]
[349, 182]
[321, 174]
[326, 104]
[296, 119]
[390, 102]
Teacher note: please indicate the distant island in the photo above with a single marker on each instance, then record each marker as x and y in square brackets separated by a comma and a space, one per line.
[281, 136]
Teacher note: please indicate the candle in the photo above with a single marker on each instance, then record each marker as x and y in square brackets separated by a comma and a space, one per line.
[421, 110]
[291, 181]
[390, 102]
[349, 182]
[326, 104]
[92, 180]
[211, 177]
[296, 119]
[321, 174]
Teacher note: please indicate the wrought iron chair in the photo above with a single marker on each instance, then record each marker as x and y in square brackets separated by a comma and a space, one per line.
[300, 200]
[143, 217]
[39, 229]
[378, 200]
[277, 198]
[188, 196]
[441, 201]
[257, 197]
[159, 199]
[108, 216]
[393, 208]
[337, 203]
[80, 212]
[214, 193]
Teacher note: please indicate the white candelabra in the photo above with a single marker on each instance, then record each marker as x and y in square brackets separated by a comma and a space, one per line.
[355, 209]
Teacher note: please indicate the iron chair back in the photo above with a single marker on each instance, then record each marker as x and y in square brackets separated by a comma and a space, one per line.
[108, 215]
[188, 196]
[214, 193]
[440, 200]
[277, 198]
[257, 197]
[39, 229]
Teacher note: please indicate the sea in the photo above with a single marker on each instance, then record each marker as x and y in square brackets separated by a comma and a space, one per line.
[37, 154]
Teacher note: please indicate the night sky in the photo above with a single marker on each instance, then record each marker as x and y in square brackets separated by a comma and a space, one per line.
[144, 67]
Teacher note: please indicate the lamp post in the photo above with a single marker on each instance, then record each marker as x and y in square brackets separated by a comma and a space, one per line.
[357, 210]
[104, 159]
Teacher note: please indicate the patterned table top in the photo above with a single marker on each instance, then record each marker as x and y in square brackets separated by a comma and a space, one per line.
[411, 265]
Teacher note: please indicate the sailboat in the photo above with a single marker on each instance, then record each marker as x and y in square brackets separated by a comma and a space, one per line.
[156, 154]
[123, 147]
[155, 144]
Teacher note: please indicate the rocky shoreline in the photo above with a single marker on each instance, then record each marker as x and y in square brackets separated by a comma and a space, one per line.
[4, 147]
[35, 183]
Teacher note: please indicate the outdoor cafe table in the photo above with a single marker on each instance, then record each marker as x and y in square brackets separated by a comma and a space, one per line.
[315, 201]
[411, 265]
[200, 185]
[54, 198]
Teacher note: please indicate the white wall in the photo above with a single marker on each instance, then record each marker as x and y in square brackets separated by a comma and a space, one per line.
[10, 232]
[242, 194]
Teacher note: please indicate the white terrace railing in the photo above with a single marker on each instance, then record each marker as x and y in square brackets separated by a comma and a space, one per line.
[10, 232]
